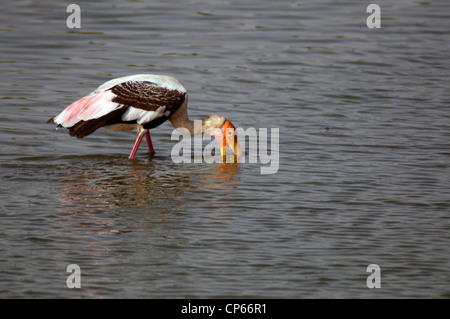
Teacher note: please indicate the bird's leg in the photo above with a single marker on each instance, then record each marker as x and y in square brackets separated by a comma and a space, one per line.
[149, 143]
[136, 144]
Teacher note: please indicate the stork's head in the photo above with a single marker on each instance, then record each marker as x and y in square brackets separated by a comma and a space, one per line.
[223, 131]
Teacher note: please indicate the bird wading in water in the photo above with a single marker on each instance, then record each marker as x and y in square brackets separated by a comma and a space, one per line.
[142, 102]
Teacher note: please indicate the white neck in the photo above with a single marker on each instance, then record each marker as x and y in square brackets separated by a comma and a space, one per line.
[180, 119]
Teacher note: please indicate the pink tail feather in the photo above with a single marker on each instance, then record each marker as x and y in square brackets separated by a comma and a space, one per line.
[93, 106]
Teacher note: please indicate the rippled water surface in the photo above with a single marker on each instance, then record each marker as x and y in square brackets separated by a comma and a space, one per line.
[363, 176]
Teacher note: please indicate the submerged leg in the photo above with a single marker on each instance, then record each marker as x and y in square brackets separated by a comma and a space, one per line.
[136, 144]
[149, 143]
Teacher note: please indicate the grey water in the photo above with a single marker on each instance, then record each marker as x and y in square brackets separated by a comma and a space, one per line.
[364, 152]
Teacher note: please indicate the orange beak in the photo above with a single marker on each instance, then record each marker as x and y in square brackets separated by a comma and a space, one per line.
[229, 137]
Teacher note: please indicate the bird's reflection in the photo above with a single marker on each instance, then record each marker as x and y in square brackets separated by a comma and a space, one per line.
[144, 200]
[222, 175]
[158, 184]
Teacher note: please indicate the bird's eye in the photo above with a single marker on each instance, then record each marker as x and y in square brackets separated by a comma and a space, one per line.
[230, 132]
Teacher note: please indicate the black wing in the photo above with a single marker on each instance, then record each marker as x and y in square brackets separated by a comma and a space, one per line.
[148, 96]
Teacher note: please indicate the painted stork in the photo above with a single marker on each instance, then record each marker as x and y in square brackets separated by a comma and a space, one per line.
[141, 102]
